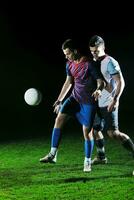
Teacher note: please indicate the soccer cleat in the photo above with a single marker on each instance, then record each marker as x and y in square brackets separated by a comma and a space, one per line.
[87, 166]
[55, 158]
[97, 161]
[49, 158]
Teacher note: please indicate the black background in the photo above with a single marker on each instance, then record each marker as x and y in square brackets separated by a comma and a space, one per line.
[30, 56]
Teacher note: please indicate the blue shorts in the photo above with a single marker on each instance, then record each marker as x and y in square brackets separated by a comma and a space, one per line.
[84, 113]
[106, 120]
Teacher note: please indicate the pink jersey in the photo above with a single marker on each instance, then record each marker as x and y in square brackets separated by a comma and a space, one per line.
[84, 75]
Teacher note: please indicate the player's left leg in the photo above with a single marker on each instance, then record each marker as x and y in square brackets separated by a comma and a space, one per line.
[113, 131]
[55, 139]
[126, 141]
[86, 117]
[88, 146]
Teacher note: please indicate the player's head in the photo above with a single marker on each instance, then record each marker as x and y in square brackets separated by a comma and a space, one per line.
[70, 49]
[97, 46]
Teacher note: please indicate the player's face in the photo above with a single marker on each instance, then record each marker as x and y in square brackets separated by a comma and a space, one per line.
[69, 55]
[97, 51]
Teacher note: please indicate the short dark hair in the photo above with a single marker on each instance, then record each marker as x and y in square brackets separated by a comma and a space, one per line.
[96, 41]
[71, 44]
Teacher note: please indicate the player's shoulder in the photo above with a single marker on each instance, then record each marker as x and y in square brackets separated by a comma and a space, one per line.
[68, 64]
[112, 65]
[110, 60]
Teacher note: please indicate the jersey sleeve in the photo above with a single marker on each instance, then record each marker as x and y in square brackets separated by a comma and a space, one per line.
[113, 67]
[68, 69]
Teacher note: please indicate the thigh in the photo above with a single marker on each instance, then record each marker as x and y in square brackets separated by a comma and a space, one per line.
[70, 107]
[60, 120]
[86, 115]
[111, 118]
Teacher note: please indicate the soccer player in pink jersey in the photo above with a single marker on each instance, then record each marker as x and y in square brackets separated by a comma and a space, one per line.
[86, 84]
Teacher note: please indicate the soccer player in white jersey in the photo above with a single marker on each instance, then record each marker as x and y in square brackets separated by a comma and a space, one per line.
[109, 100]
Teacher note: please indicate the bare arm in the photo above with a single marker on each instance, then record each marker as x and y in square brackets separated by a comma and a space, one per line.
[65, 89]
[120, 87]
[100, 86]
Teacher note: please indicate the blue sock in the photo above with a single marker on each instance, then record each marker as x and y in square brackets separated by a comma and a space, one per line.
[56, 135]
[89, 144]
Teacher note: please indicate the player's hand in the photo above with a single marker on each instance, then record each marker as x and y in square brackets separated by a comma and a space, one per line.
[57, 108]
[96, 94]
[109, 87]
[112, 106]
[57, 105]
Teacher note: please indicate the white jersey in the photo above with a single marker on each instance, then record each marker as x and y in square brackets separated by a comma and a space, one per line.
[109, 67]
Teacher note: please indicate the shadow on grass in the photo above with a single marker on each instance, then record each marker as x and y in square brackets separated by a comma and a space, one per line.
[87, 179]
[128, 164]
[37, 176]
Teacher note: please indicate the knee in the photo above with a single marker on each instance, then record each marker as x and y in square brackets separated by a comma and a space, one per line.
[86, 137]
[58, 120]
[88, 134]
[98, 135]
[117, 134]
[121, 136]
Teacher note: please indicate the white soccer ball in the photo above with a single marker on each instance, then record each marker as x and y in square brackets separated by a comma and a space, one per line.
[33, 97]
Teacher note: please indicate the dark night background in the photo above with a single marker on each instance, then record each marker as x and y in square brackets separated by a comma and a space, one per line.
[30, 43]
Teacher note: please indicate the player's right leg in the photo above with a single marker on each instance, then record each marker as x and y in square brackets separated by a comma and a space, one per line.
[68, 109]
[51, 157]
[113, 131]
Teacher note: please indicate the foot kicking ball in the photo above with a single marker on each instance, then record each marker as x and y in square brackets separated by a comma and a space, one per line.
[33, 97]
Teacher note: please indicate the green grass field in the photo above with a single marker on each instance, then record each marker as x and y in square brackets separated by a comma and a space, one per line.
[22, 177]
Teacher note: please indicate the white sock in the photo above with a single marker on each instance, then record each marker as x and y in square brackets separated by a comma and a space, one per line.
[53, 150]
[87, 160]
